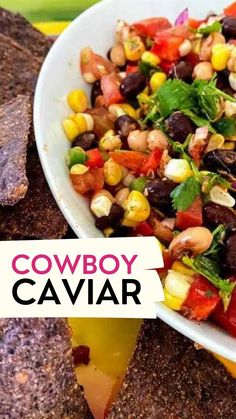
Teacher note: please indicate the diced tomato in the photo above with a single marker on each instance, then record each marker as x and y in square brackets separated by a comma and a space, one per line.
[91, 181]
[94, 64]
[103, 120]
[201, 300]
[230, 10]
[166, 66]
[149, 27]
[166, 46]
[227, 319]
[133, 160]
[153, 161]
[132, 69]
[144, 229]
[95, 158]
[110, 85]
[168, 261]
[191, 217]
[194, 23]
[232, 42]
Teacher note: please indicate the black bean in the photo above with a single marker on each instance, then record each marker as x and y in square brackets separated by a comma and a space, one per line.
[229, 256]
[86, 140]
[183, 71]
[115, 215]
[179, 126]
[124, 125]
[95, 92]
[229, 27]
[158, 194]
[121, 231]
[221, 160]
[215, 214]
[132, 85]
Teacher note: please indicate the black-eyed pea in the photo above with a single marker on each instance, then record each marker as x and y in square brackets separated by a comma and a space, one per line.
[157, 138]
[137, 140]
[203, 71]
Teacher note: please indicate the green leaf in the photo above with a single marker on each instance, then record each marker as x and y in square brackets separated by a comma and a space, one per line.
[211, 179]
[217, 242]
[210, 270]
[214, 27]
[146, 68]
[185, 193]
[174, 95]
[226, 126]
[200, 121]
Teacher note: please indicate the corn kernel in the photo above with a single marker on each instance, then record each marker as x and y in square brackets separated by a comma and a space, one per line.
[150, 58]
[134, 48]
[108, 231]
[228, 145]
[178, 170]
[110, 141]
[230, 108]
[101, 203]
[137, 207]
[172, 302]
[70, 128]
[216, 141]
[112, 172]
[220, 56]
[77, 100]
[128, 223]
[116, 110]
[129, 110]
[78, 169]
[83, 121]
[178, 284]
[157, 80]
[180, 267]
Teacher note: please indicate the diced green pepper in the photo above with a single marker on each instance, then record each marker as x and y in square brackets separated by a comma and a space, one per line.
[138, 184]
[75, 155]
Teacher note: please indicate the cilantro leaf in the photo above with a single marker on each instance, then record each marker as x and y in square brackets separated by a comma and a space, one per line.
[185, 193]
[217, 242]
[210, 270]
[226, 126]
[214, 27]
[146, 68]
[174, 95]
[200, 121]
[208, 97]
[211, 179]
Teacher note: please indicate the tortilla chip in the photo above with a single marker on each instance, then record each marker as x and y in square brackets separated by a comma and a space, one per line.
[18, 70]
[168, 378]
[37, 372]
[15, 118]
[37, 215]
[20, 30]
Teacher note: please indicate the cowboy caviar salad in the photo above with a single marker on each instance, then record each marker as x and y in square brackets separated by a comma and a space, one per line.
[155, 151]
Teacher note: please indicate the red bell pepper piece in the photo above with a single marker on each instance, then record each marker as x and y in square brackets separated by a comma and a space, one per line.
[132, 69]
[201, 300]
[153, 161]
[227, 319]
[191, 217]
[95, 158]
[144, 229]
[91, 181]
[230, 10]
[110, 85]
[133, 160]
[166, 66]
[149, 27]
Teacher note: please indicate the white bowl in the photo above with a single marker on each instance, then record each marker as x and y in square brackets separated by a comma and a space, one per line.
[60, 74]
